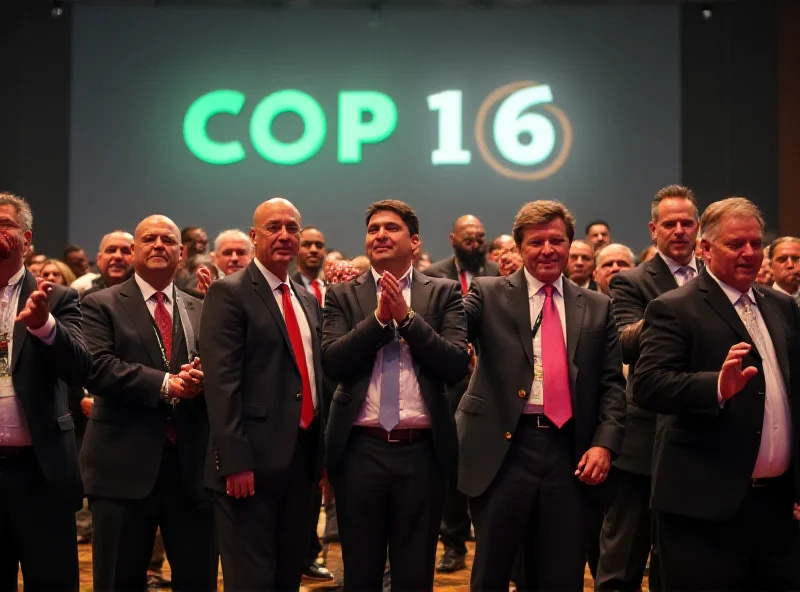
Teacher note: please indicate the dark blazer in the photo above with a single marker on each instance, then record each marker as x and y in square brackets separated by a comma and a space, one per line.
[126, 432]
[352, 335]
[498, 320]
[446, 268]
[631, 292]
[253, 383]
[704, 455]
[41, 375]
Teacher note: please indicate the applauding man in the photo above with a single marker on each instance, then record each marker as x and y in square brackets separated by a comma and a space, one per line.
[143, 451]
[393, 338]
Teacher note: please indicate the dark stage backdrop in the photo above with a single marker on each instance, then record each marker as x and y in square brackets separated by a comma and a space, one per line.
[202, 114]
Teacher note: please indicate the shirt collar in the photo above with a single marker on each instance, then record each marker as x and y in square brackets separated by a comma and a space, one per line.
[534, 285]
[273, 280]
[148, 290]
[376, 276]
[732, 293]
[674, 266]
[15, 279]
[775, 286]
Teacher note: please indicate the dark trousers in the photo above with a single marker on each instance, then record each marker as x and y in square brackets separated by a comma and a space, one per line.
[37, 529]
[455, 527]
[756, 549]
[388, 495]
[535, 504]
[625, 540]
[264, 538]
[125, 530]
[314, 544]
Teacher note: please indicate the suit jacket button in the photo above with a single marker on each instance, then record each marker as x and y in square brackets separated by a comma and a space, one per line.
[521, 394]
[298, 396]
[508, 435]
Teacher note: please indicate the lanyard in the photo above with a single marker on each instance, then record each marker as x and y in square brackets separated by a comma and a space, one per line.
[537, 324]
[161, 347]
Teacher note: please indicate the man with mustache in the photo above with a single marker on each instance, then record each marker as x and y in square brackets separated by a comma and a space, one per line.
[625, 540]
[393, 339]
[145, 443]
[264, 385]
[544, 411]
[310, 261]
[719, 366]
[42, 350]
[785, 256]
[469, 244]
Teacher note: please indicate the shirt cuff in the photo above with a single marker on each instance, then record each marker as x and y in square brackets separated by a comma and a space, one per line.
[165, 386]
[47, 332]
[381, 323]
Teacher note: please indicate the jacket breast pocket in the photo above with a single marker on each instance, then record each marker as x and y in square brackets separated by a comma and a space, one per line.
[65, 423]
[473, 405]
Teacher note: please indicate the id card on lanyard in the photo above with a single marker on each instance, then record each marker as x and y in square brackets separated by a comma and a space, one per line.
[6, 328]
[537, 392]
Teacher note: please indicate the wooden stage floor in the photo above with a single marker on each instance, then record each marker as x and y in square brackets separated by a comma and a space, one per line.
[457, 582]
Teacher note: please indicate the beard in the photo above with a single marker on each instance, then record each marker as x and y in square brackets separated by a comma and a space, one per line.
[471, 260]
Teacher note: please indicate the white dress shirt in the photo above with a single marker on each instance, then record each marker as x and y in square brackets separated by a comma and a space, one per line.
[321, 284]
[536, 299]
[775, 286]
[147, 293]
[775, 452]
[13, 424]
[413, 413]
[305, 329]
[674, 266]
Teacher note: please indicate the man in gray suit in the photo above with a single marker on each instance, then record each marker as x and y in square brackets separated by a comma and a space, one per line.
[544, 411]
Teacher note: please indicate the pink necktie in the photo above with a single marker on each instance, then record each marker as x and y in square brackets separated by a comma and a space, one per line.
[557, 402]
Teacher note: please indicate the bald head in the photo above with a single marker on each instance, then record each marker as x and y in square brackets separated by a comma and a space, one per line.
[115, 256]
[469, 243]
[156, 250]
[276, 234]
[269, 207]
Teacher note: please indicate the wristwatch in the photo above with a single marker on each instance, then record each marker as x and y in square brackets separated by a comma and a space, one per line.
[406, 319]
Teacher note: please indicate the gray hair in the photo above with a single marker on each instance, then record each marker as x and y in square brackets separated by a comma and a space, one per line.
[232, 234]
[24, 214]
[738, 207]
[614, 245]
[671, 191]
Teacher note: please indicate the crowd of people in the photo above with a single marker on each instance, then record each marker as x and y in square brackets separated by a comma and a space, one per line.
[557, 398]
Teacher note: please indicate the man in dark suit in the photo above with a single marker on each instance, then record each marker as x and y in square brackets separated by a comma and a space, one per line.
[625, 540]
[469, 244]
[581, 264]
[264, 385]
[144, 446]
[42, 351]
[719, 364]
[543, 413]
[393, 338]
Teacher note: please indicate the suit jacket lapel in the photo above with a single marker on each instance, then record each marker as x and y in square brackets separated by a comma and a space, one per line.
[421, 288]
[20, 331]
[772, 320]
[262, 288]
[719, 302]
[574, 311]
[452, 269]
[517, 292]
[366, 293]
[662, 277]
[132, 300]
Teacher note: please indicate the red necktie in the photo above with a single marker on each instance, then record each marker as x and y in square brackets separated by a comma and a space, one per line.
[317, 291]
[557, 402]
[164, 324]
[462, 275]
[307, 405]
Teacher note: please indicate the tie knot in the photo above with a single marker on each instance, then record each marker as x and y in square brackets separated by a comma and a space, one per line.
[284, 288]
[548, 291]
[745, 300]
[159, 298]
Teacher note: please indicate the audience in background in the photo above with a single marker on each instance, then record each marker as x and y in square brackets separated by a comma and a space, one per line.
[499, 245]
[76, 259]
[598, 234]
[57, 272]
[580, 265]
[36, 262]
[610, 260]
[785, 263]
[646, 254]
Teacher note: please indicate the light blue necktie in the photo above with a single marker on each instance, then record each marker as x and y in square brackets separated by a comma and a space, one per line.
[389, 415]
